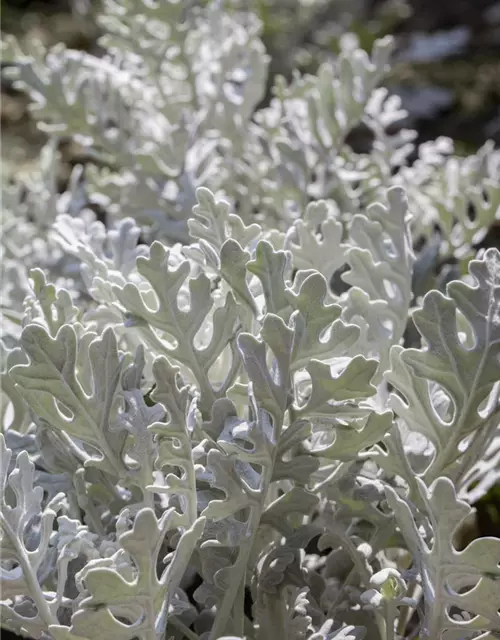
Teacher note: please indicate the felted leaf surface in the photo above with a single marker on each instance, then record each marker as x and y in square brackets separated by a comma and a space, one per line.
[50, 386]
[138, 419]
[24, 551]
[293, 461]
[13, 411]
[47, 305]
[271, 267]
[467, 579]
[141, 603]
[174, 438]
[208, 224]
[342, 425]
[319, 331]
[381, 260]
[360, 434]
[181, 323]
[315, 240]
[296, 501]
[466, 368]
[272, 387]
[233, 268]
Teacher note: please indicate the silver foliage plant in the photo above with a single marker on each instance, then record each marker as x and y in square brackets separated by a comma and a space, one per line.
[230, 413]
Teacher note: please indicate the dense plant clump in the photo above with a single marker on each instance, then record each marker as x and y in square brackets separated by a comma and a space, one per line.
[256, 394]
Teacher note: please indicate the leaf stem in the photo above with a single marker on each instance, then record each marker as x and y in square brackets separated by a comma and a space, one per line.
[239, 615]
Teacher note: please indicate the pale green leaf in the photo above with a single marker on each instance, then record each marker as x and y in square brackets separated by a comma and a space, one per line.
[183, 324]
[50, 386]
[464, 371]
[468, 580]
[141, 602]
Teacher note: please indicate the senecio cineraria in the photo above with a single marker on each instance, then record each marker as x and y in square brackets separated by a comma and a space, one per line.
[246, 406]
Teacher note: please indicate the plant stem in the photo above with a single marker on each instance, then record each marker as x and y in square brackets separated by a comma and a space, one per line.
[389, 620]
[178, 624]
[238, 570]
[239, 615]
